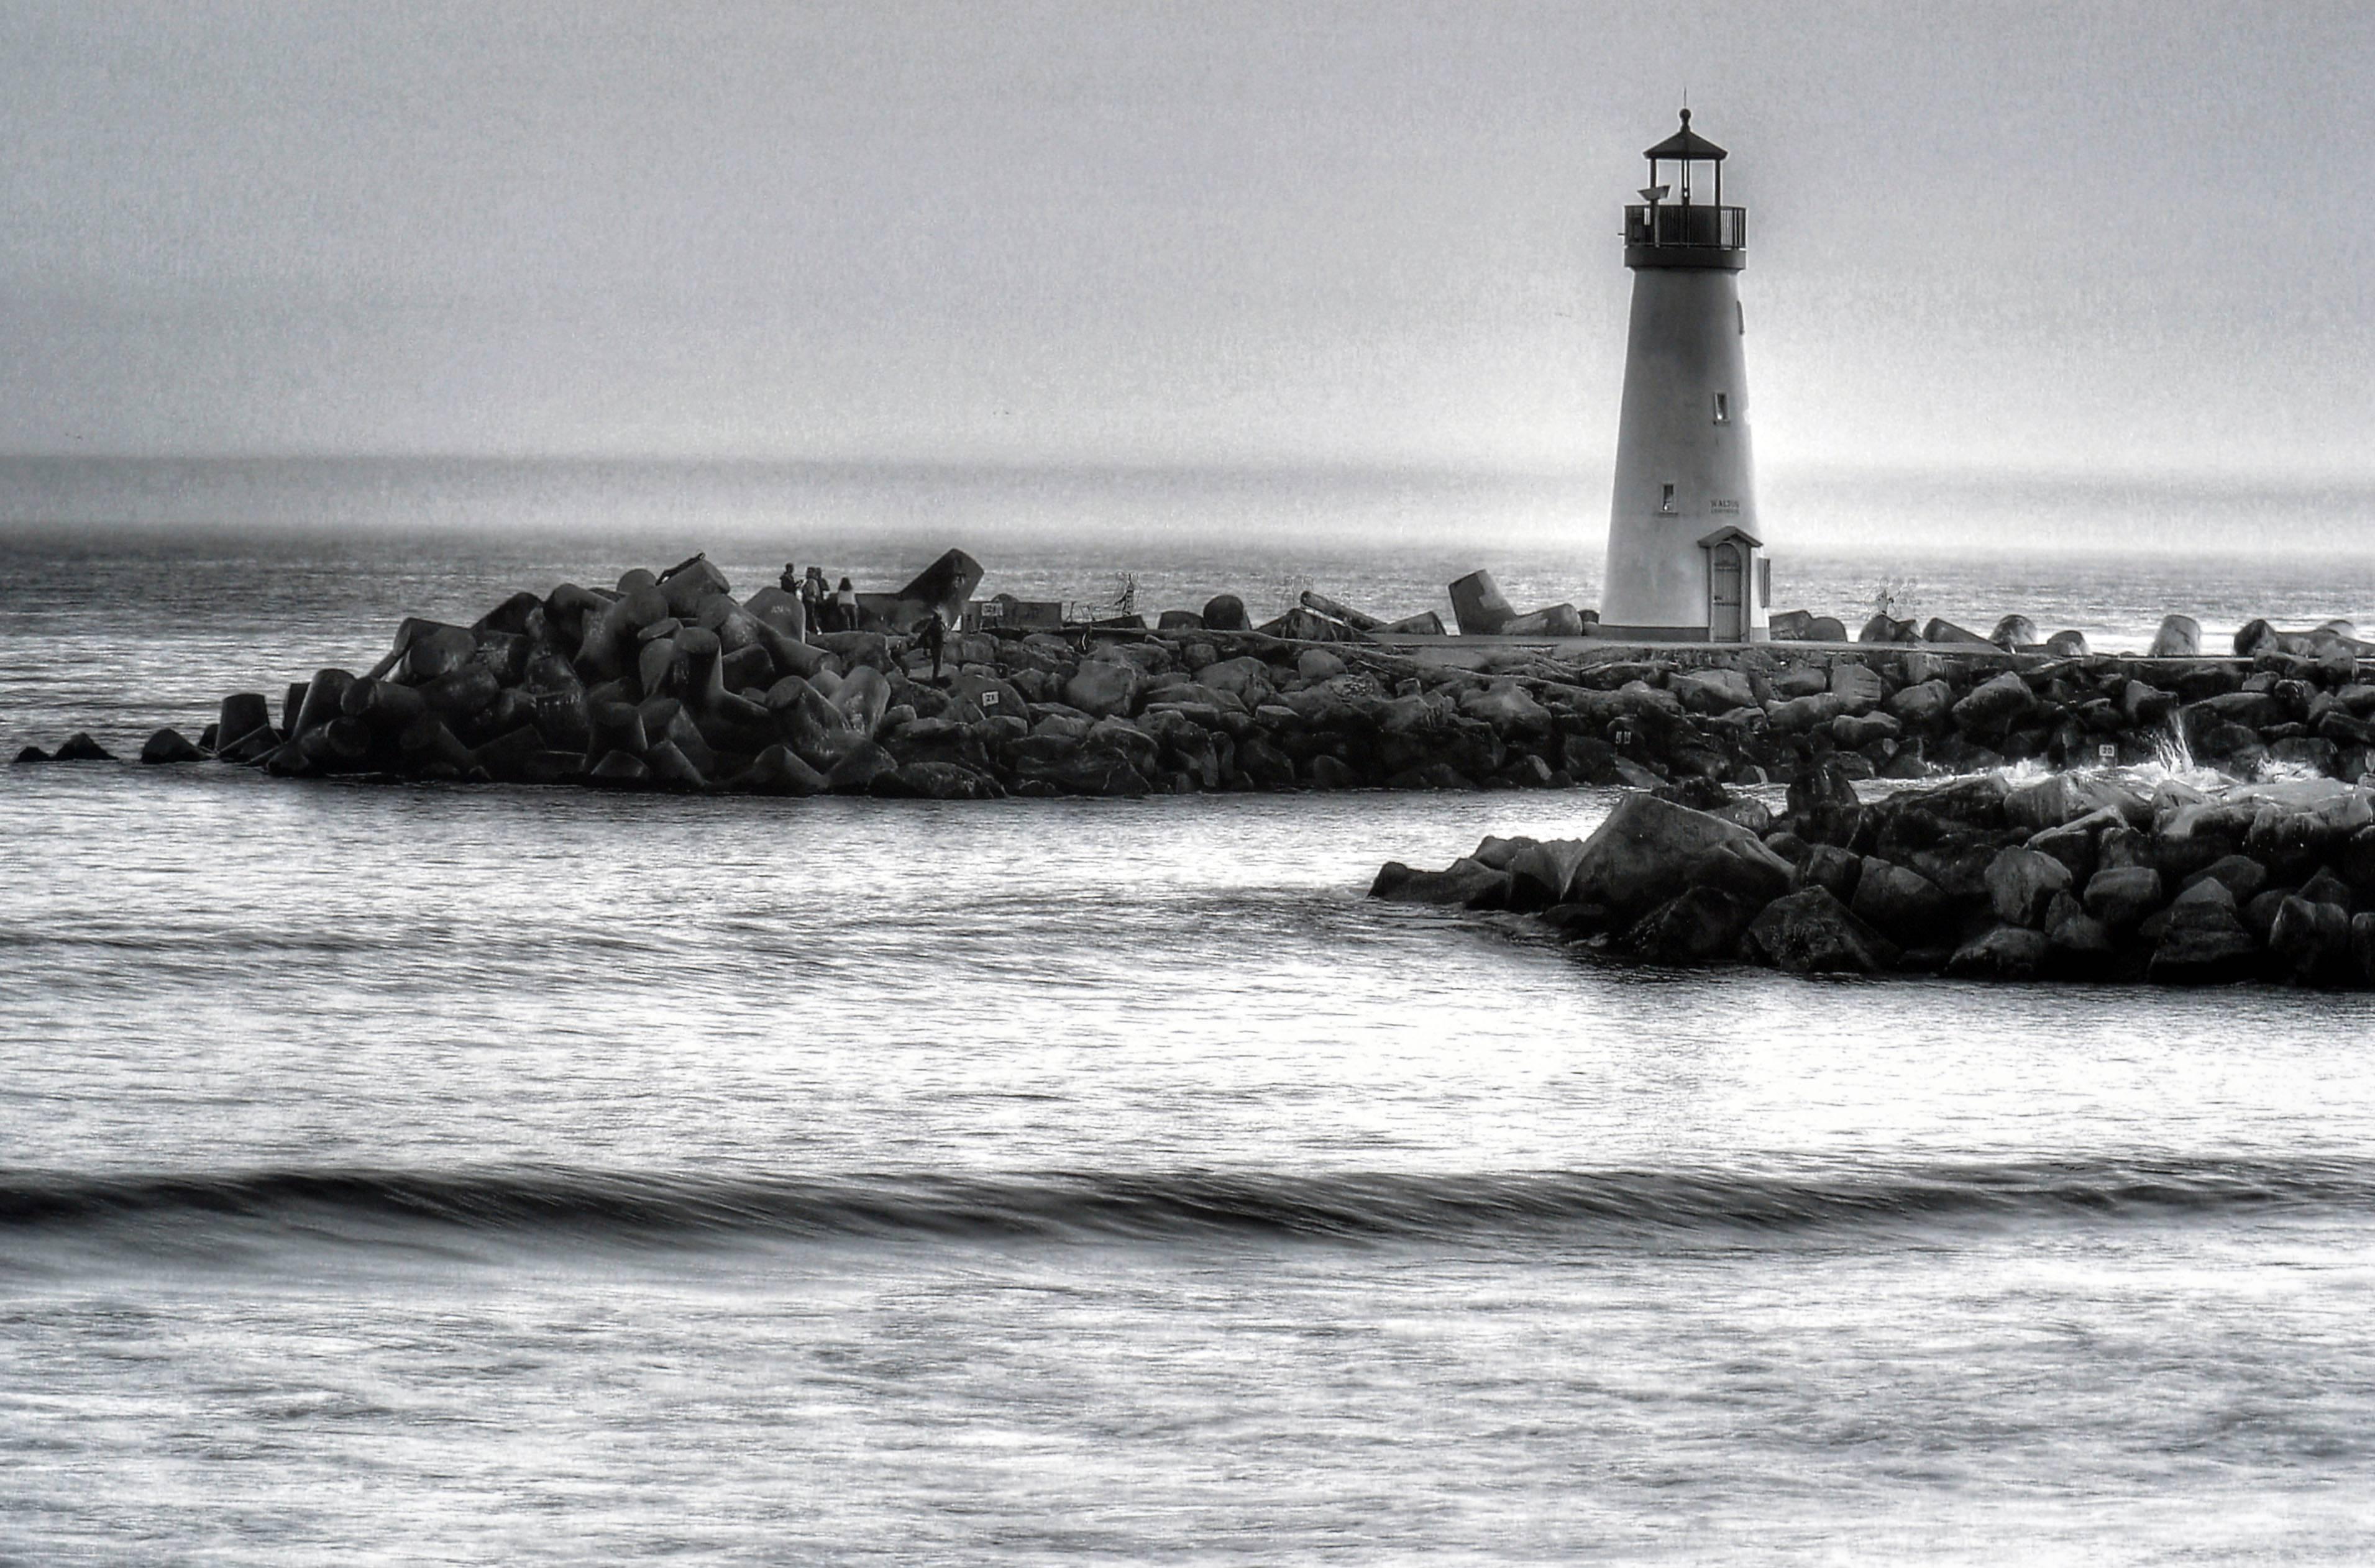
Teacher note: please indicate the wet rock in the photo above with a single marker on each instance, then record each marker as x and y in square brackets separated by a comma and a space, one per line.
[2004, 952]
[1464, 882]
[2022, 882]
[1649, 849]
[1900, 901]
[1698, 926]
[1829, 867]
[934, 781]
[1318, 664]
[620, 770]
[1810, 932]
[2204, 942]
[81, 748]
[1994, 707]
[855, 772]
[1822, 806]
[241, 715]
[169, 745]
[31, 754]
[1543, 873]
[2241, 876]
[2067, 645]
[2079, 947]
[2121, 896]
[778, 770]
[2310, 942]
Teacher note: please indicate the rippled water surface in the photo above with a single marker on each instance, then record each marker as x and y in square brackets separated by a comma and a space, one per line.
[438, 1174]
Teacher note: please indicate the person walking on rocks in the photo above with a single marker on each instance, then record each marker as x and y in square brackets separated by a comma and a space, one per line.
[935, 636]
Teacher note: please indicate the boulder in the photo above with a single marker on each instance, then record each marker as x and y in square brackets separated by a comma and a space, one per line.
[1541, 873]
[1900, 901]
[688, 582]
[1478, 606]
[1318, 664]
[241, 715]
[2079, 947]
[1994, 707]
[1649, 849]
[1696, 925]
[80, 748]
[1942, 630]
[2310, 942]
[1507, 709]
[2067, 645]
[2003, 952]
[1711, 690]
[1465, 882]
[168, 745]
[1822, 806]
[1226, 612]
[855, 772]
[934, 781]
[1857, 686]
[2068, 797]
[778, 770]
[2241, 876]
[2014, 633]
[1922, 704]
[618, 769]
[1810, 932]
[1103, 687]
[2204, 942]
[1829, 866]
[2022, 882]
[2180, 637]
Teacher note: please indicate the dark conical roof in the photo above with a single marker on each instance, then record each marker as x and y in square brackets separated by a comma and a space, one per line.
[1687, 143]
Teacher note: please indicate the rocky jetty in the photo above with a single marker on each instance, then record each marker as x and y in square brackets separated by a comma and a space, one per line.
[2078, 876]
[670, 681]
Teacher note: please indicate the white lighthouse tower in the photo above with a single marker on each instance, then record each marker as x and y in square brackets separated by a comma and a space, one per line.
[1686, 559]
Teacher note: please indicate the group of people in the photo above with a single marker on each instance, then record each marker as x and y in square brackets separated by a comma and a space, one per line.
[835, 609]
[827, 609]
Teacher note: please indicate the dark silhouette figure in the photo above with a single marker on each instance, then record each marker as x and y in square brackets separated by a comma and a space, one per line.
[936, 637]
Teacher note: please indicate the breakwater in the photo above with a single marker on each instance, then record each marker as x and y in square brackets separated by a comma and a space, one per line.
[677, 684]
[2082, 877]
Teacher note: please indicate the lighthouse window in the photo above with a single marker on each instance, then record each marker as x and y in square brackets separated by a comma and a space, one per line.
[1666, 498]
[1740, 319]
[1723, 409]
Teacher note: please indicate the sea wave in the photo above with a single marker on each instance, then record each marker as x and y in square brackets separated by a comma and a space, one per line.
[1060, 1206]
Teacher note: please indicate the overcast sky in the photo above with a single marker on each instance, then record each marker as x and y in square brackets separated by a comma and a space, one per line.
[2109, 237]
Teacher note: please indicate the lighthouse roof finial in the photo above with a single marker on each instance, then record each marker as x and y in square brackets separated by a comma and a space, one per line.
[1687, 143]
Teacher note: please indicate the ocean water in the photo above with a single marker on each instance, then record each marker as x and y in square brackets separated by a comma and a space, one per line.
[430, 1174]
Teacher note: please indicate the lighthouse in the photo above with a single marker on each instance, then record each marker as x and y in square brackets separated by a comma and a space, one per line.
[1686, 559]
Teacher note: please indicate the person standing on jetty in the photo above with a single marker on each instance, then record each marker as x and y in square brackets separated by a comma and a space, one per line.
[935, 636]
[790, 581]
[844, 604]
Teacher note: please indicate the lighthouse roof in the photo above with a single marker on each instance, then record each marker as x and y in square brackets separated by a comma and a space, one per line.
[1687, 143]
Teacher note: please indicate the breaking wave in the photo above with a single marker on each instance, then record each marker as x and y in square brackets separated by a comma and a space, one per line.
[1066, 1206]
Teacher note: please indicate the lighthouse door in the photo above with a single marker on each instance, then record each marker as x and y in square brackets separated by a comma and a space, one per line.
[1725, 622]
